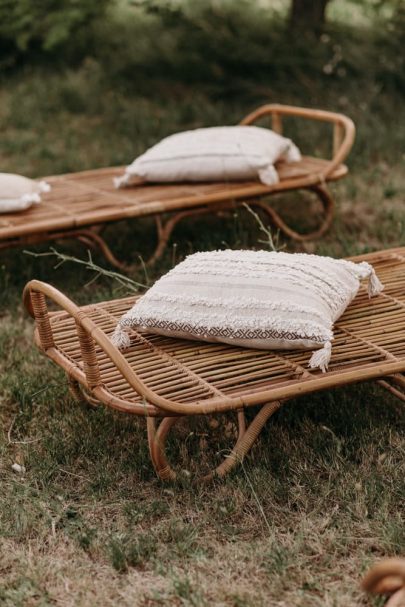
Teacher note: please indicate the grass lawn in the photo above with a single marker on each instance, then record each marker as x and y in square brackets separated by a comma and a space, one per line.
[320, 497]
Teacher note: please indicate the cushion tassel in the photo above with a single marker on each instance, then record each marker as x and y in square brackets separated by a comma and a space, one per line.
[121, 182]
[30, 198]
[374, 285]
[44, 186]
[120, 338]
[320, 358]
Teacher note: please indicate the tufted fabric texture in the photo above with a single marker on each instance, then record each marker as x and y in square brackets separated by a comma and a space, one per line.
[256, 299]
[18, 193]
[226, 153]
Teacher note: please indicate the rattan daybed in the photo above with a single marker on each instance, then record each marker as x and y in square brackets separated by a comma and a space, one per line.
[80, 204]
[161, 377]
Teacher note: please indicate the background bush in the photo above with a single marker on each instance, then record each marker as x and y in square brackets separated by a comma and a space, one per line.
[227, 44]
[56, 30]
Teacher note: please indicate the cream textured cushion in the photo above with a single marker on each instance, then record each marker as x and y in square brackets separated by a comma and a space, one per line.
[255, 299]
[18, 193]
[225, 153]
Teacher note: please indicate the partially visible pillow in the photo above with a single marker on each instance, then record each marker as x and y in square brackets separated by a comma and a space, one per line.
[224, 153]
[256, 299]
[18, 193]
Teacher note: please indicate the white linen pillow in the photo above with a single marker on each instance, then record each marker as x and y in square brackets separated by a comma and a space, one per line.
[224, 153]
[18, 193]
[257, 299]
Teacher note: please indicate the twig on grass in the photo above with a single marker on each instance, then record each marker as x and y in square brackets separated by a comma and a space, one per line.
[84, 478]
[271, 242]
[124, 281]
[19, 442]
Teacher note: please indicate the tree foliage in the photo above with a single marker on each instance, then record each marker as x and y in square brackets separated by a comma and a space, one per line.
[46, 26]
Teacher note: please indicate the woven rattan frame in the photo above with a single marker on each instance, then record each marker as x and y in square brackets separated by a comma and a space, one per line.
[80, 204]
[169, 378]
[387, 577]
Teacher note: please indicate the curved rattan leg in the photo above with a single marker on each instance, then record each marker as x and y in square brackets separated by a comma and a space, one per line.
[394, 384]
[157, 440]
[328, 207]
[244, 442]
[387, 578]
[90, 237]
[246, 438]
[74, 389]
[164, 230]
[93, 239]
[398, 379]
[80, 394]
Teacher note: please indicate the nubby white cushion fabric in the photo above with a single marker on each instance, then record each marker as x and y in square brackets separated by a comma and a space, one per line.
[225, 153]
[256, 299]
[18, 193]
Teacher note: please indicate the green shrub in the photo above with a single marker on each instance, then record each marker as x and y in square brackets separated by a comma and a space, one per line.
[229, 43]
[390, 52]
[60, 29]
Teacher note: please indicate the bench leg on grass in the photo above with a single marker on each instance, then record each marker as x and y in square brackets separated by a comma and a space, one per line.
[246, 438]
[90, 237]
[394, 384]
[328, 208]
[80, 394]
[94, 240]
[164, 230]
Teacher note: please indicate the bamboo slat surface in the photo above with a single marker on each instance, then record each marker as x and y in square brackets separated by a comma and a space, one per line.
[187, 377]
[89, 198]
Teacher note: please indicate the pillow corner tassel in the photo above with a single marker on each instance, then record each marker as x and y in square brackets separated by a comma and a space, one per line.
[122, 181]
[375, 286]
[120, 338]
[268, 175]
[28, 199]
[320, 358]
[44, 187]
[366, 270]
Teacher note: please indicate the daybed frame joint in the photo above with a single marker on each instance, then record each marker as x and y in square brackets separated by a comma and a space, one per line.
[40, 311]
[87, 348]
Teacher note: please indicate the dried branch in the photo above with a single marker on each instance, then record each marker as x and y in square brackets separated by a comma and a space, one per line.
[121, 279]
[271, 242]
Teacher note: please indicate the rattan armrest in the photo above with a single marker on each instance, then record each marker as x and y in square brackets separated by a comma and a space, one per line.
[343, 134]
[89, 334]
